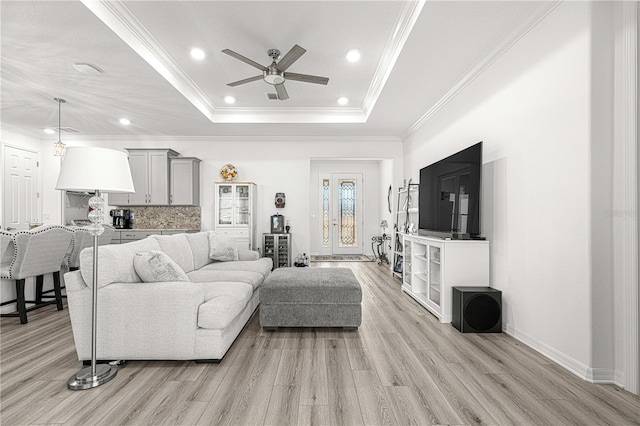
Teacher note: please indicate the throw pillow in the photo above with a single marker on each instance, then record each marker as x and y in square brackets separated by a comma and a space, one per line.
[154, 266]
[222, 247]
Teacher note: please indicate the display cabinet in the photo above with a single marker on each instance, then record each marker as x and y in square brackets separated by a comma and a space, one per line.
[406, 223]
[278, 248]
[434, 266]
[235, 211]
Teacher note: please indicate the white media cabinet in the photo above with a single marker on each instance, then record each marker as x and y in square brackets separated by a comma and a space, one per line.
[433, 266]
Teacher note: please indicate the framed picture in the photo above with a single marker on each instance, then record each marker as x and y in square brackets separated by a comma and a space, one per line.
[277, 224]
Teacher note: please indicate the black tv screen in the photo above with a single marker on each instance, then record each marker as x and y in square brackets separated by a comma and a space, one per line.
[449, 195]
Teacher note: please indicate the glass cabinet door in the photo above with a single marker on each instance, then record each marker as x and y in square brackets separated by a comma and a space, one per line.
[406, 267]
[242, 205]
[225, 205]
[434, 274]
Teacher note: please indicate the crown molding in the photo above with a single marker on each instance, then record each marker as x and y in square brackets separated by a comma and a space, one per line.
[484, 64]
[408, 17]
[115, 15]
[234, 138]
[289, 115]
[125, 25]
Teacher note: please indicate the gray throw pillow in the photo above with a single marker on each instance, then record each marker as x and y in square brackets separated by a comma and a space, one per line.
[221, 247]
[154, 266]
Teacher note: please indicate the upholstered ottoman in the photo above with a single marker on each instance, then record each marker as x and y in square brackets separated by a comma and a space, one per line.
[310, 297]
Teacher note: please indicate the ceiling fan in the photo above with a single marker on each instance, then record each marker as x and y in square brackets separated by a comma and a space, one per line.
[275, 73]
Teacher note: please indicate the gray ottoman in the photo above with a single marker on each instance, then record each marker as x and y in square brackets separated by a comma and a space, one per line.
[310, 297]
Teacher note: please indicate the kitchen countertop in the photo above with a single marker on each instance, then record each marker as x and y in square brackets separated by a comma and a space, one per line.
[158, 229]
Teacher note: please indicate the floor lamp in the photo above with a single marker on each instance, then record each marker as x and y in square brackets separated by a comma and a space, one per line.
[94, 169]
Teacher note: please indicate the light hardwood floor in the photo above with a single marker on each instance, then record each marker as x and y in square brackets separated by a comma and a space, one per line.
[401, 367]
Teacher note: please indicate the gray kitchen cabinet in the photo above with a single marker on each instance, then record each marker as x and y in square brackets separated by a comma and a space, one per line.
[150, 174]
[123, 236]
[184, 181]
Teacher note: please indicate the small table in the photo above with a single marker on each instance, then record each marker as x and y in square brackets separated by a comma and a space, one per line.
[311, 297]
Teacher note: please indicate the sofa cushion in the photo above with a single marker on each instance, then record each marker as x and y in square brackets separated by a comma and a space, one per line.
[255, 279]
[262, 265]
[221, 247]
[224, 301]
[178, 248]
[248, 255]
[154, 266]
[115, 262]
[199, 243]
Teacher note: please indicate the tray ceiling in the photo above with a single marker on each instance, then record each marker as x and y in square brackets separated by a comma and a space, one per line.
[413, 54]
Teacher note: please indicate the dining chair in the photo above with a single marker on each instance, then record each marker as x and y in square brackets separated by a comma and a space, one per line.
[34, 253]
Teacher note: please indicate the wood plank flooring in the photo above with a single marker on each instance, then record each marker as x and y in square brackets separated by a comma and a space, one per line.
[401, 367]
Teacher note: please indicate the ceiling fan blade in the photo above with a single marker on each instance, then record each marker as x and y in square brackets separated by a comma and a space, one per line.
[246, 80]
[244, 59]
[281, 91]
[306, 78]
[291, 56]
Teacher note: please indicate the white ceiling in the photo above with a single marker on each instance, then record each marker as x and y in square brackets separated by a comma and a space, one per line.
[414, 56]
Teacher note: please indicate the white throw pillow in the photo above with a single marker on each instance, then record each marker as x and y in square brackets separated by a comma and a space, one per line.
[154, 266]
[222, 247]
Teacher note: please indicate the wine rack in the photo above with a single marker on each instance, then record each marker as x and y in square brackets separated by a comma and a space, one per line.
[278, 248]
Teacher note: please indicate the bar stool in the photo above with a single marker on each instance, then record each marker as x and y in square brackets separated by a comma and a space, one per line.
[81, 240]
[35, 253]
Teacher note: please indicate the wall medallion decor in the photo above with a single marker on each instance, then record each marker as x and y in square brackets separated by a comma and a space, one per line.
[228, 172]
[280, 200]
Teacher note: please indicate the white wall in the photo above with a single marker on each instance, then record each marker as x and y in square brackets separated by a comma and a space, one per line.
[533, 108]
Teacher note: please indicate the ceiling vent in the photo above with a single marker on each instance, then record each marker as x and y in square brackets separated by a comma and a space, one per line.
[271, 96]
[68, 130]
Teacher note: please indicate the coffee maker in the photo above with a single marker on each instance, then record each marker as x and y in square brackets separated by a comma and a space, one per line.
[129, 219]
[117, 216]
[122, 218]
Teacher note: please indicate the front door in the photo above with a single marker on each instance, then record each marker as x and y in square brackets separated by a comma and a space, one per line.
[347, 203]
[20, 188]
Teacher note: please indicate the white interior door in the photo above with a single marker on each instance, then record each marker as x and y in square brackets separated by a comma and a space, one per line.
[347, 201]
[20, 188]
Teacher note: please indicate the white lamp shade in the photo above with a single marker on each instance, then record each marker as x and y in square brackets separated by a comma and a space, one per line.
[87, 168]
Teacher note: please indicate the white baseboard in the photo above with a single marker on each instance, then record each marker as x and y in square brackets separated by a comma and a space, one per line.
[591, 375]
[600, 375]
[619, 378]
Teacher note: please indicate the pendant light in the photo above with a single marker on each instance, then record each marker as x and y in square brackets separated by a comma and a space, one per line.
[59, 148]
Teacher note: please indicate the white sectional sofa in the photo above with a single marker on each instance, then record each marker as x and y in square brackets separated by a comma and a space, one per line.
[197, 319]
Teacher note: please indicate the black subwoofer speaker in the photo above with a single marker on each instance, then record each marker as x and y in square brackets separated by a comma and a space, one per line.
[477, 310]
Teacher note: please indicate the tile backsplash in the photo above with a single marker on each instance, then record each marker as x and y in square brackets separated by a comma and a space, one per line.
[167, 217]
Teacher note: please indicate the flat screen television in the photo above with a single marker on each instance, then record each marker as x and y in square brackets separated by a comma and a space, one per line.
[449, 196]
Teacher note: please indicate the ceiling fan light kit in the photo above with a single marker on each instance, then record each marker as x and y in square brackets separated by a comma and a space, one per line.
[275, 74]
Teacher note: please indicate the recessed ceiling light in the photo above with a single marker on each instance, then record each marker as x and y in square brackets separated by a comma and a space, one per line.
[343, 100]
[125, 121]
[50, 131]
[353, 55]
[197, 53]
[229, 99]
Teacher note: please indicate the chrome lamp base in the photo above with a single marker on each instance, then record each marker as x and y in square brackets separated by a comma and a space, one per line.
[84, 379]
